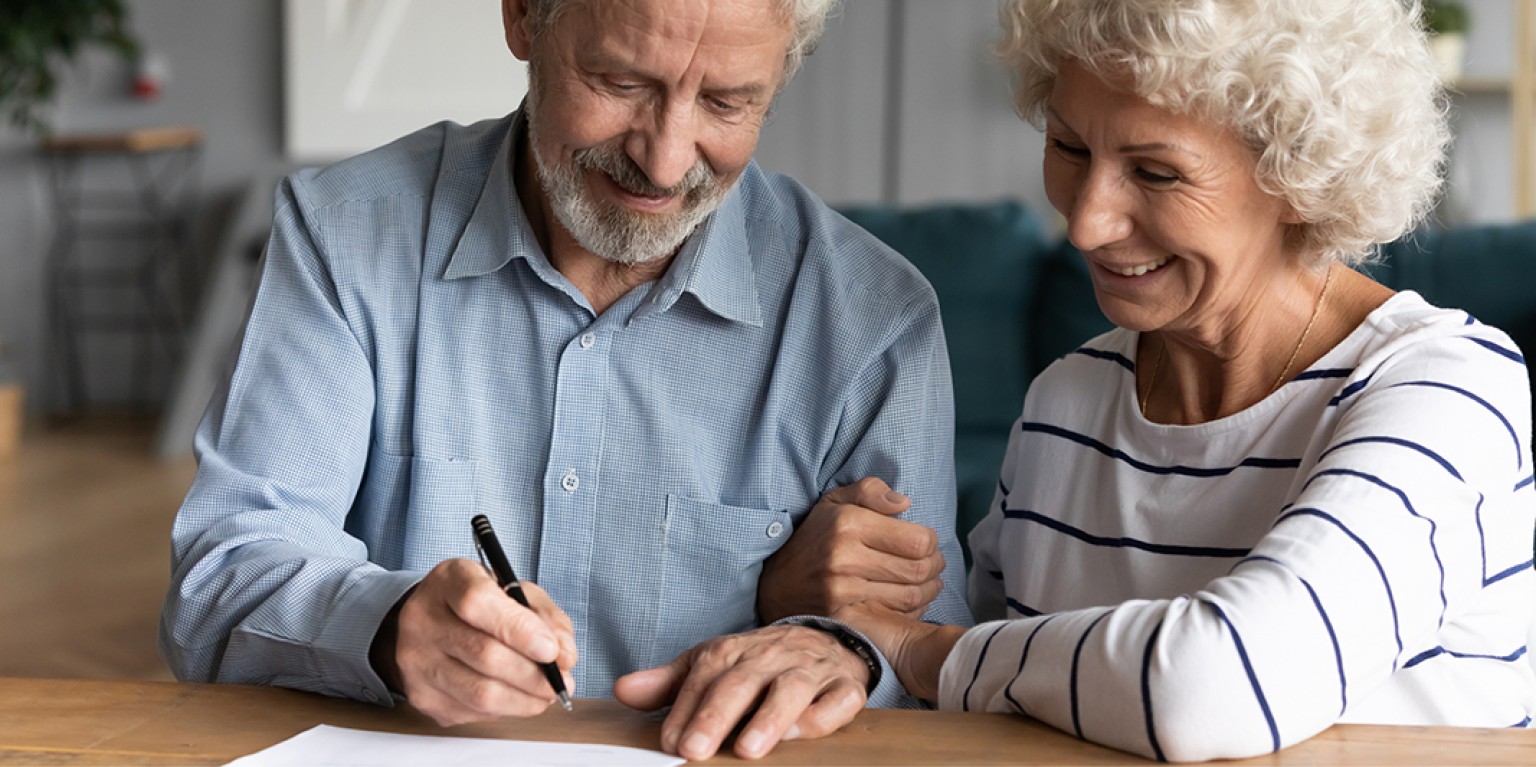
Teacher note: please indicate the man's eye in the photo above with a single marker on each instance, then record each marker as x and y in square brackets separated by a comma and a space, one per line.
[722, 106]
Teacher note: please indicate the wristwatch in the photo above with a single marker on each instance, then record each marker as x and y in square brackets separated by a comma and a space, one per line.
[858, 646]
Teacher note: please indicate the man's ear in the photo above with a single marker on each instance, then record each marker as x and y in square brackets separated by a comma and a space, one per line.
[514, 17]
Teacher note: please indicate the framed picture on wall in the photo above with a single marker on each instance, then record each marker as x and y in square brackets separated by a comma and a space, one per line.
[361, 73]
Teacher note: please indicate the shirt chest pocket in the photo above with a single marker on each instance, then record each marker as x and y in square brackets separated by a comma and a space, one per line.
[714, 555]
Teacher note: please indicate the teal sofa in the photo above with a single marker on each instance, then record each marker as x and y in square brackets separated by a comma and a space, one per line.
[1014, 297]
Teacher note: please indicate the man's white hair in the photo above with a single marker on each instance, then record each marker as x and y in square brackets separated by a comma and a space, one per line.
[1340, 100]
[809, 18]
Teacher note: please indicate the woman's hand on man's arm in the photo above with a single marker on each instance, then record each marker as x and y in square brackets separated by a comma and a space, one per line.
[915, 649]
[850, 549]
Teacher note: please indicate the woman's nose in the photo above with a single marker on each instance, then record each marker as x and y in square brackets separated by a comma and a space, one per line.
[1100, 214]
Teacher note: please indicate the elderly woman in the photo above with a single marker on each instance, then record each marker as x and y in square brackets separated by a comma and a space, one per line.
[1278, 496]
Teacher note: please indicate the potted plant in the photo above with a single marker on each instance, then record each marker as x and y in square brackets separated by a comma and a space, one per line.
[1447, 22]
[39, 37]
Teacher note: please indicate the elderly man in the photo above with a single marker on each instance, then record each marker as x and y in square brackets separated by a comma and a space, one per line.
[598, 323]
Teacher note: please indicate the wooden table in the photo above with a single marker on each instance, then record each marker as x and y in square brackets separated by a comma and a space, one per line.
[133, 723]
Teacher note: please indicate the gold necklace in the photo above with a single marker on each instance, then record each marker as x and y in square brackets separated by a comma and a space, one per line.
[1317, 309]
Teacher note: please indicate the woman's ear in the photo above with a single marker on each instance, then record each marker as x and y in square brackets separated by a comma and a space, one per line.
[514, 18]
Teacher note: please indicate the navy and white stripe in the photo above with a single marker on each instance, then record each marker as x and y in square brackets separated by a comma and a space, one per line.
[1355, 547]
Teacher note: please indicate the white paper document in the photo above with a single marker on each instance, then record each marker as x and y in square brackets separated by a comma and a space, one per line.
[327, 746]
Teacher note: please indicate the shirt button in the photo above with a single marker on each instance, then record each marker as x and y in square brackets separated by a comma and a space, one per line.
[370, 695]
[570, 481]
[587, 339]
[775, 529]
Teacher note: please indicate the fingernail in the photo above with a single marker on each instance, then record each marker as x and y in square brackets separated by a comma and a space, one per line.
[696, 747]
[669, 741]
[752, 742]
[793, 733]
[544, 649]
[895, 497]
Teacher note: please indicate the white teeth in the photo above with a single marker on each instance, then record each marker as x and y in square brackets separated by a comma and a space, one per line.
[1137, 271]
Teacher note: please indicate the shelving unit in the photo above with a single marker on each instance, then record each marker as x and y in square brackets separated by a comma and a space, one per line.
[119, 248]
[1523, 109]
[1519, 90]
[1478, 85]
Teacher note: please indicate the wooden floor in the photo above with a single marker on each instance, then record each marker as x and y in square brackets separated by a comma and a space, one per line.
[85, 519]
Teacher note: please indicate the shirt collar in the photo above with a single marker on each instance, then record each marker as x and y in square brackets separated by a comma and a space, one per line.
[714, 264]
[497, 230]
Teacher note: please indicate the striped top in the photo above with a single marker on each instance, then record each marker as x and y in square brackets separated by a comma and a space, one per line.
[1357, 547]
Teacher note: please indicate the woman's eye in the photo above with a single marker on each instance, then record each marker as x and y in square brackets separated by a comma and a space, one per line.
[1065, 148]
[1155, 178]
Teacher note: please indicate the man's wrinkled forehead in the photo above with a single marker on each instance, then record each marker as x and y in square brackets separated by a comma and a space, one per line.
[549, 12]
[736, 45]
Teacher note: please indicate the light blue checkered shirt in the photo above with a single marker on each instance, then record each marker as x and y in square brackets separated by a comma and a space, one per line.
[412, 359]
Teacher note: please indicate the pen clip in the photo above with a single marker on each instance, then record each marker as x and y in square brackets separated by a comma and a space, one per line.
[480, 554]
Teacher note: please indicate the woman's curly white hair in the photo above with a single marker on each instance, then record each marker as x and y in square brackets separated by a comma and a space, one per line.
[1340, 100]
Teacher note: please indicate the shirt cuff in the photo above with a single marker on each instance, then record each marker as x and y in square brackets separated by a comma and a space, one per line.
[342, 647]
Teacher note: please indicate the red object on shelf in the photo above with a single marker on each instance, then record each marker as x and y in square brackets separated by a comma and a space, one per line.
[149, 76]
[146, 88]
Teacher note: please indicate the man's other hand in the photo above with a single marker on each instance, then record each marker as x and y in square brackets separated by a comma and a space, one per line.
[801, 681]
[851, 548]
[465, 652]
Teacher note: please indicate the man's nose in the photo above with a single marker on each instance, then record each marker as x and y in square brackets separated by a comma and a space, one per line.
[1100, 214]
[665, 145]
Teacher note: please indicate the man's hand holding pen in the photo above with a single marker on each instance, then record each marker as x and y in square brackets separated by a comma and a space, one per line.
[465, 652]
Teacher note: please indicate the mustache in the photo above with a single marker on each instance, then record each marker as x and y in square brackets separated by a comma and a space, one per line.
[625, 172]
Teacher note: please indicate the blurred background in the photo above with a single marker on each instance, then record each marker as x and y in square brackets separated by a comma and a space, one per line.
[135, 190]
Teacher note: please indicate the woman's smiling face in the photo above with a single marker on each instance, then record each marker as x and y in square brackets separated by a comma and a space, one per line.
[1164, 207]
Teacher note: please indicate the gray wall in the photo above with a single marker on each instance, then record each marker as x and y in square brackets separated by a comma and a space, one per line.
[902, 104]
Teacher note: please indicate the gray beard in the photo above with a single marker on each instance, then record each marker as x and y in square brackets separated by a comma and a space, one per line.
[611, 232]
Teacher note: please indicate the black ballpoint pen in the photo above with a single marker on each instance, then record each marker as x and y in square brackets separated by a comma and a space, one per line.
[485, 538]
